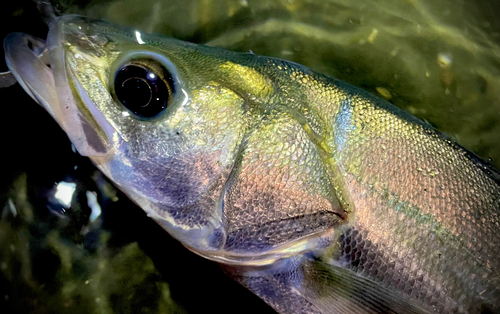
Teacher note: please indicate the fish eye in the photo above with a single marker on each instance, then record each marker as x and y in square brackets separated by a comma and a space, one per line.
[145, 87]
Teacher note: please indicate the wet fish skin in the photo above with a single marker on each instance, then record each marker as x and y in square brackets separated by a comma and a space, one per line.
[319, 196]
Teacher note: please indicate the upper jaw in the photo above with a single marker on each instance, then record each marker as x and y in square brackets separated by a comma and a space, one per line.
[48, 79]
[22, 55]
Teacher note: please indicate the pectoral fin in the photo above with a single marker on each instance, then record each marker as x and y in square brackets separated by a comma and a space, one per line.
[337, 290]
[311, 286]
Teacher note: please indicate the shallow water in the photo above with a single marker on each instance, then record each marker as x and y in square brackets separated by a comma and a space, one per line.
[440, 61]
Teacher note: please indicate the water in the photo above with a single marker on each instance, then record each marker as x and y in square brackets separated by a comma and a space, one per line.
[439, 60]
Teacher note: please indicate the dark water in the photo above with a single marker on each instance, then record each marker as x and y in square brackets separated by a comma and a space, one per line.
[439, 61]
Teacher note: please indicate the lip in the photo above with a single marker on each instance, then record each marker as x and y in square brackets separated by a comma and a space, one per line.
[56, 88]
[30, 71]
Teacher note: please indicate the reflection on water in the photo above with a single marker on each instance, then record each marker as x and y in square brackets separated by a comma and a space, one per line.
[69, 242]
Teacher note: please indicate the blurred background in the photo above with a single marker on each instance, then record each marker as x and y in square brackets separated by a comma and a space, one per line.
[71, 243]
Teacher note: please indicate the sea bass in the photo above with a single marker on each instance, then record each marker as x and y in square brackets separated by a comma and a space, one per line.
[314, 194]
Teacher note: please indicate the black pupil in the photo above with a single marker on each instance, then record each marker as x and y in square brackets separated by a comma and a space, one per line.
[137, 91]
[142, 91]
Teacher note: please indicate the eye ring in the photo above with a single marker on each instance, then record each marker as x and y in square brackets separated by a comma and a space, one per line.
[144, 87]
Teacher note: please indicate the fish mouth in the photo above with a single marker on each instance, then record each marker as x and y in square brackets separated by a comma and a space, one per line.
[41, 69]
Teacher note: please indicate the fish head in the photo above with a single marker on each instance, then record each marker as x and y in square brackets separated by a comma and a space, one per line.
[171, 144]
[190, 133]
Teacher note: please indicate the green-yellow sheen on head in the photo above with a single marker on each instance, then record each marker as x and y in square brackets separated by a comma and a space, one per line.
[225, 116]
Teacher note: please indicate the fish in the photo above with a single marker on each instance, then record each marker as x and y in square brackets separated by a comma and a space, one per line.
[316, 195]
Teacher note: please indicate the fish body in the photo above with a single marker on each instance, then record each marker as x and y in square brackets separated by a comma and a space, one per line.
[316, 195]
